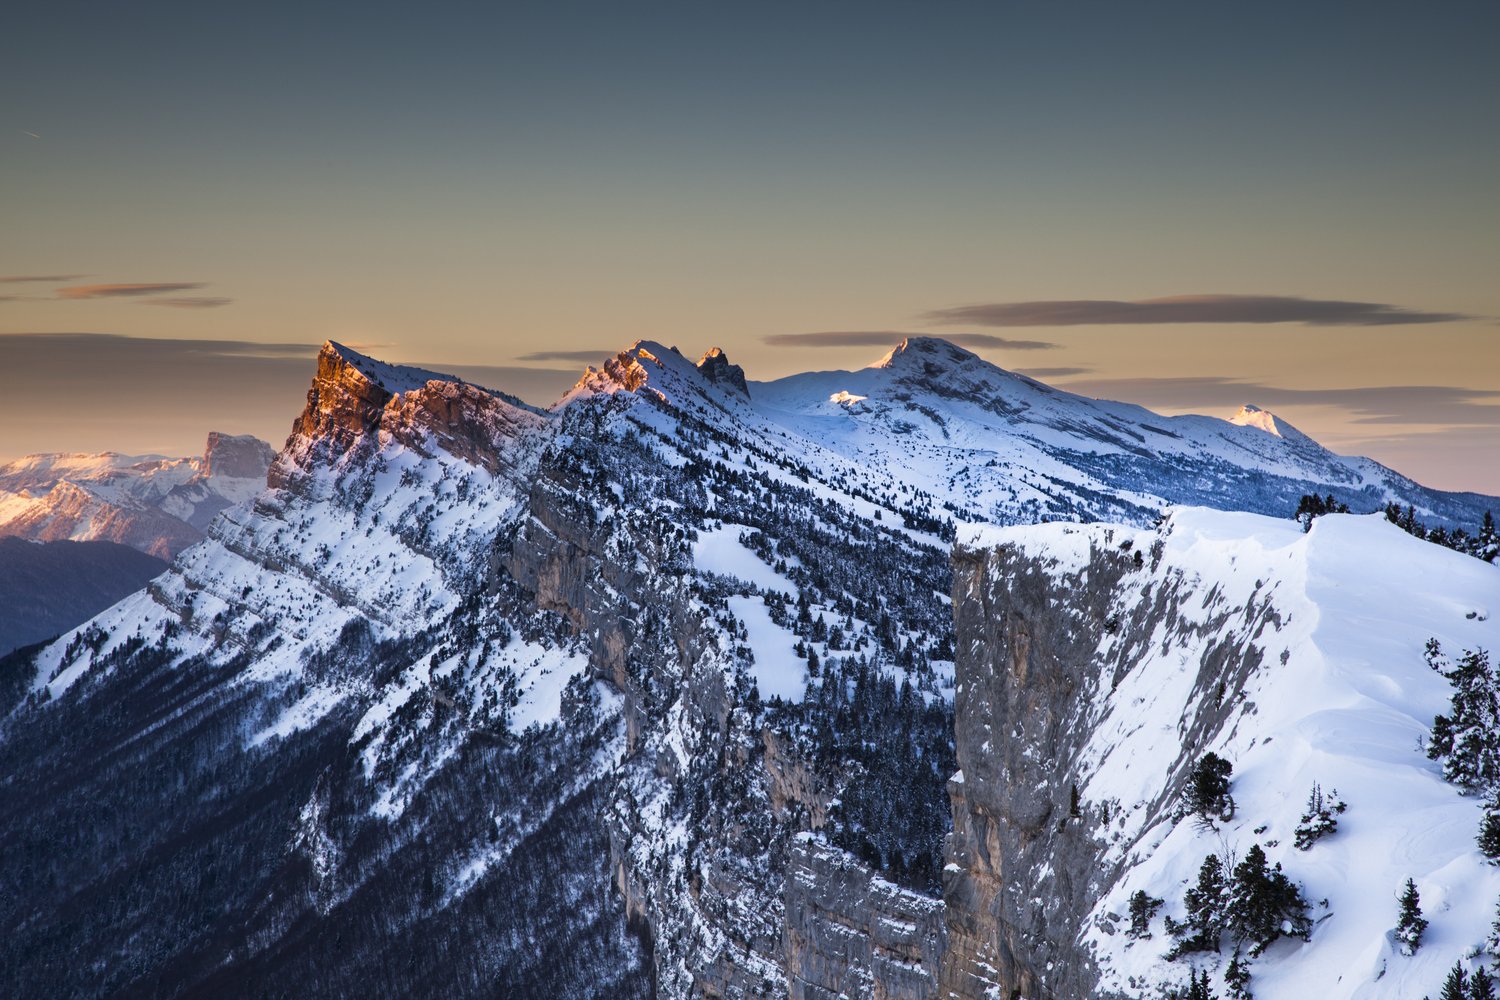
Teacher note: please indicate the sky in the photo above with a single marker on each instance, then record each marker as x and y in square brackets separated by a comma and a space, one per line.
[1189, 206]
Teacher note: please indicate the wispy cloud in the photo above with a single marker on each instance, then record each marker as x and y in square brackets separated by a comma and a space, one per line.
[1189, 309]
[890, 338]
[115, 291]
[1381, 404]
[1053, 372]
[585, 357]
[17, 279]
[190, 302]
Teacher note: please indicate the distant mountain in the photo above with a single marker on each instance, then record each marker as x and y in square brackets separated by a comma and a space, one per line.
[995, 446]
[647, 694]
[155, 504]
[49, 587]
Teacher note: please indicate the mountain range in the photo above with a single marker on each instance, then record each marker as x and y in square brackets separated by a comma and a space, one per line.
[680, 687]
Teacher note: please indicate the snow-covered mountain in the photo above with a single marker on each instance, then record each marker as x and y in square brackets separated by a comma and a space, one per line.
[155, 504]
[995, 446]
[648, 692]
[1110, 660]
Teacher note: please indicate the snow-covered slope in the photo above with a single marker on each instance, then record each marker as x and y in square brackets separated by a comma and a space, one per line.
[1297, 657]
[157, 505]
[992, 445]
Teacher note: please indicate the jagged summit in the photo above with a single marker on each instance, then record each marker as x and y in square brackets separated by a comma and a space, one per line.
[716, 368]
[391, 378]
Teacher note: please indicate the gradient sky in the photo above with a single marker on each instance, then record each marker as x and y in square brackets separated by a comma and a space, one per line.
[491, 187]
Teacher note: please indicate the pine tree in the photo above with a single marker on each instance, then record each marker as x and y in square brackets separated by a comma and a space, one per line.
[1481, 985]
[1205, 904]
[1489, 832]
[1411, 923]
[1487, 544]
[1455, 986]
[1492, 943]
[1198, 987]
[1318, 819]
[1237, 979]
[1467, 740]
[1264, 904]
[1143, 907]
[1208, 786]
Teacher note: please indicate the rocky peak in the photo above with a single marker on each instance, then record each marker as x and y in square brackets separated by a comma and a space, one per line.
[237, 456]
[1250, 415]
[929, 355]
[355, 398]
[715, 367]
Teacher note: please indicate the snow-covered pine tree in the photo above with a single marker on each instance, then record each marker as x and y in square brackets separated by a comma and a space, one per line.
[1205, 904]
[1467, 740]
[1410, 924]
[1487, 545]
[1143, 907]
[1489, 831]
[1318, 819]
[1237, 979]
[1208, 786]
[1492, 943]
[1264, 904]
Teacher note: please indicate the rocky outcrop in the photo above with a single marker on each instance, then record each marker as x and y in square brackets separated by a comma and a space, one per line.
[355, 402]
[236, 456]
[852, 934]
[716, 368]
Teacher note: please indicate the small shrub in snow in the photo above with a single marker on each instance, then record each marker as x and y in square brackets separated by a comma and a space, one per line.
[1410, 924]
[1318, 819]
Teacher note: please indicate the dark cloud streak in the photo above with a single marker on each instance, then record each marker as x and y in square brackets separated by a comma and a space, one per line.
[890, 338]
[115, 291]
[190, 302]
[1189, 309]
[586, 357]
[16, 279]
[1382, 404]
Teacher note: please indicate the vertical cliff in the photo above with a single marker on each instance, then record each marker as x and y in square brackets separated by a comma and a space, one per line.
[1097, 665]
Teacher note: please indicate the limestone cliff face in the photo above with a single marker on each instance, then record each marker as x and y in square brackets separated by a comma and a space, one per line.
[236, 456]
[851, 934]
[1043, 643]
[1025, 652]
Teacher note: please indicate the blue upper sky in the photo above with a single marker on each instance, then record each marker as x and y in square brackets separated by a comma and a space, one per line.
[473, 184]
